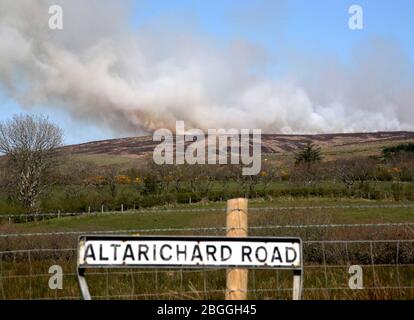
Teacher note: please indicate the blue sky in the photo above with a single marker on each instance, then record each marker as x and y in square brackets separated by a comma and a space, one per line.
[310, 27]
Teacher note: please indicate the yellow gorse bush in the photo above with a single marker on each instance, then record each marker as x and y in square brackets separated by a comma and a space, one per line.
[264, 174]
[94, 180]
[123, 179]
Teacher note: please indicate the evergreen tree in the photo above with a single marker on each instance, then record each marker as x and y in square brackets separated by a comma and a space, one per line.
[309, 154]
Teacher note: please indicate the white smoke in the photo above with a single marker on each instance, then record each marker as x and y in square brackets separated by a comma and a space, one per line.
[99, 70]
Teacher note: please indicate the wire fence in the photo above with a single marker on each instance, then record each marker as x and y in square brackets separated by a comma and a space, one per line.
[208, 229]
[21, 218]
[383, 250]
[388, 269]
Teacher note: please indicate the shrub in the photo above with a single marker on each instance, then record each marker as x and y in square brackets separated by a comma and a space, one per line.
[397, 191]
[387, 152]
[123, 179]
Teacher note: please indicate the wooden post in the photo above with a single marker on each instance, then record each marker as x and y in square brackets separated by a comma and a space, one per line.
[102, 209]
[58, 214]
[122, 207]
[237, 227]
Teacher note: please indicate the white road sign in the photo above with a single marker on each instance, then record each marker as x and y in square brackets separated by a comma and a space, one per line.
[198, 252]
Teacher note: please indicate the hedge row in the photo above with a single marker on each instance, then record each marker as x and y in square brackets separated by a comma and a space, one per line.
[93, 200]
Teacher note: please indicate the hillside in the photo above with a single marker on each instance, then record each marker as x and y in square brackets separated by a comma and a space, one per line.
[331, 144]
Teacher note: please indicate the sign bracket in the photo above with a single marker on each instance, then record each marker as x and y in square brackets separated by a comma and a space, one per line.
[290, 243]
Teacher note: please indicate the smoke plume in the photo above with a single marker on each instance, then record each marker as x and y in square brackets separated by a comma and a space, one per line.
[136, 80]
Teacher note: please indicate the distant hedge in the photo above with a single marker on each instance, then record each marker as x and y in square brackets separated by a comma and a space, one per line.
[404, 147]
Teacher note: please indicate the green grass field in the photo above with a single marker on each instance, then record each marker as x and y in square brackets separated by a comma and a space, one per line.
[213, 215]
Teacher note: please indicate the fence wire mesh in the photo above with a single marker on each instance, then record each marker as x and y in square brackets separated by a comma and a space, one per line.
[384, 251]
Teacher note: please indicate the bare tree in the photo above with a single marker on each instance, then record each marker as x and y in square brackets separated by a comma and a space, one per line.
[355, 172]
[110, 176]
[268, 174]
[29, 143]
[307, 175]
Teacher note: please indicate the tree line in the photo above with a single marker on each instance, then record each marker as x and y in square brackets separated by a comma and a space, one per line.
[32, 175]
